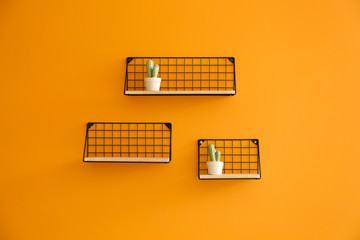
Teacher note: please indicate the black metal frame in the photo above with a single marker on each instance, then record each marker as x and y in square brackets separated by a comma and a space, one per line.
[120, 133]
[184, 66]
[226, 155]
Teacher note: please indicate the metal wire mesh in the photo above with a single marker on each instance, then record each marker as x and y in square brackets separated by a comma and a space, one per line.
[240, 156]
[128, 140]
[184, 75]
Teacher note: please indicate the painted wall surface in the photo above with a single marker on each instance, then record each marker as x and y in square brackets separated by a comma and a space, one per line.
[62, 64]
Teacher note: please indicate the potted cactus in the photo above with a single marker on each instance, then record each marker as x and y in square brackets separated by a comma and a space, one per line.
[152, 82]
[214, 166]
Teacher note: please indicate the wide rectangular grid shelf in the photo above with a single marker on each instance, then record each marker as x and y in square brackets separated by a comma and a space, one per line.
[183, 76]
[241, 158]
[128, 142]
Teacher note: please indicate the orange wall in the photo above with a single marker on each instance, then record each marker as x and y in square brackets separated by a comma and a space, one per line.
[62, 64]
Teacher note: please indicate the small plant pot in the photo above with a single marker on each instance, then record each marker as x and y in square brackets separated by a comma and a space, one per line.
[152, 84]
[215, 168]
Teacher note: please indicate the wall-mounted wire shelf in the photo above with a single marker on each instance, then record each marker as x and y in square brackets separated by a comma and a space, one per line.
[128, 142]
[183, 76]
[241, 158]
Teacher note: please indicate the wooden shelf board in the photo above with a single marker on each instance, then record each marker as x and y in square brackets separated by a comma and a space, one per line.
[126, 159]
[231, 176]
[180, 92]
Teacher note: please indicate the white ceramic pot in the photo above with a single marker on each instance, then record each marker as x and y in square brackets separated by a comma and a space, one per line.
[152, 84]
[215, 168]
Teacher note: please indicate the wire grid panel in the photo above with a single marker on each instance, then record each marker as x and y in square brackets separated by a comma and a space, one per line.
[128, 142]
[241, 158]
[183, 76]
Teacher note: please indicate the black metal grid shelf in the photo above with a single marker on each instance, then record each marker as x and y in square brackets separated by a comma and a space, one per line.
[241, 158]
[128, 142]
[183, 76]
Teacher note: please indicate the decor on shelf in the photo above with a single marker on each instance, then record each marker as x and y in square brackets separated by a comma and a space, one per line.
[240, 158]
[152, 82]
[214, 166]
[185, 76]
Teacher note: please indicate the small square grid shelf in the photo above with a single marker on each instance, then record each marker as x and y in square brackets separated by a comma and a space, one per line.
[241, 158]
[183, 76]
[128, 142]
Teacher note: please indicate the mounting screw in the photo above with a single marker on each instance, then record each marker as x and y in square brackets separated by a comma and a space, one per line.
[255, 141]
[201, 142]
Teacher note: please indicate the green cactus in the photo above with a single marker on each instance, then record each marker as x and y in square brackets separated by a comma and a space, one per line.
[152, 70]
[214, 155]
[149, 67]
[217, 156]
[155, 71]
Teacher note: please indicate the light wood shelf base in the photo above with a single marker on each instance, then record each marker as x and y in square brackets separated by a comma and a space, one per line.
[180, 92]
[127, 159]
[231, 176]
